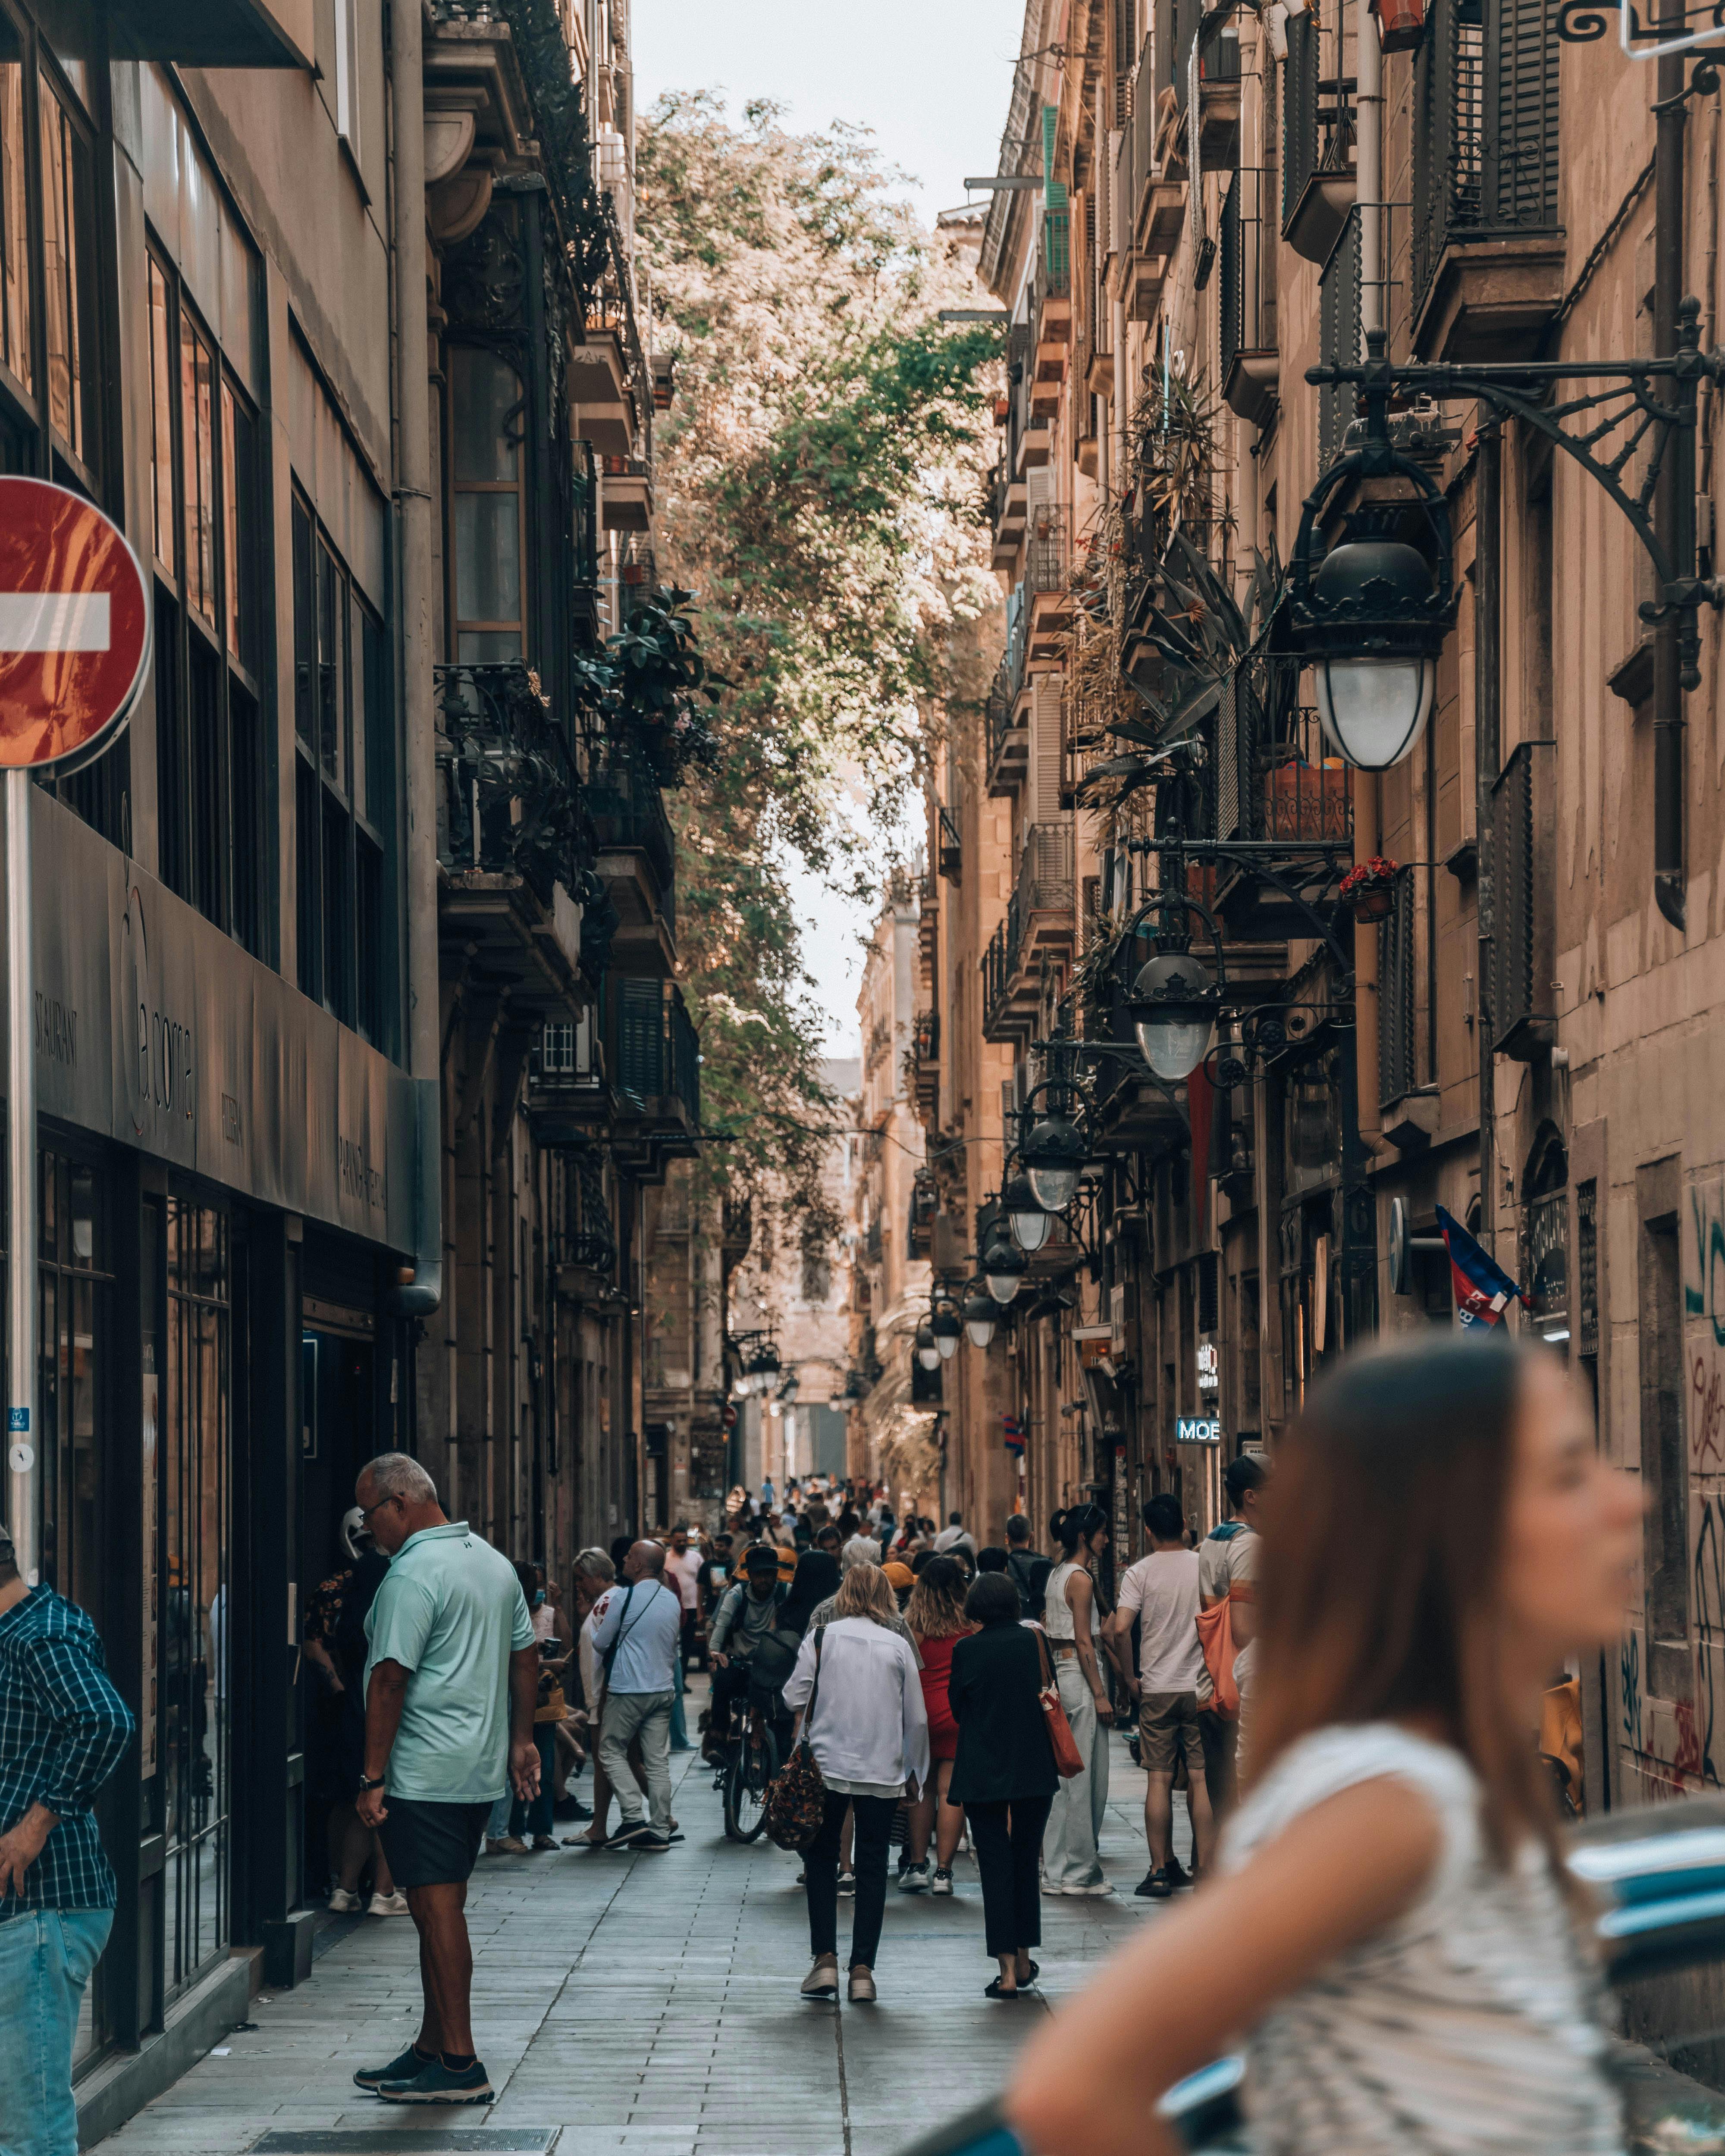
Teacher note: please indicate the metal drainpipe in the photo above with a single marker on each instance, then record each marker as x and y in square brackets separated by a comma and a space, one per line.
[1488, 753]
[1369, 184]
[420, 1294]
[1673, 504]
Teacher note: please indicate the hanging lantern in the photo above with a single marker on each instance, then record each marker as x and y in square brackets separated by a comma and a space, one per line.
[1003, 1268]
[981, 1315]
[1173, 1009]
[1054, 1155]
[1028, 1221]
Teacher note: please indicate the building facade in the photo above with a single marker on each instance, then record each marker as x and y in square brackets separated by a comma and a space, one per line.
[360, 1060]
[1178, 233]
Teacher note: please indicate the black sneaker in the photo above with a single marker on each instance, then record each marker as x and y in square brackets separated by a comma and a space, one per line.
[652, 1843]
[437, 2083]
[1153, 1887]
[400, 2069]
[1178, 1874]
[571, 1808]
[847, 1882]
[627, 1833]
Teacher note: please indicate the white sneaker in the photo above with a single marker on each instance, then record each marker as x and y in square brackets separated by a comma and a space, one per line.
[942, 1879]
[1089, 1893]
[387, 1905]
[341, 1901]
[914, 1879]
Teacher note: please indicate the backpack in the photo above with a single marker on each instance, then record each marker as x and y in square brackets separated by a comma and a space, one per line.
[1030, 1575]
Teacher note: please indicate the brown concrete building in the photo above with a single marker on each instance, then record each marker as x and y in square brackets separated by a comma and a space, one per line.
[1197, 229]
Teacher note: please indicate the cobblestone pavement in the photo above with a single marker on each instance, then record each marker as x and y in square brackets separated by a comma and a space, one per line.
[650, 2004]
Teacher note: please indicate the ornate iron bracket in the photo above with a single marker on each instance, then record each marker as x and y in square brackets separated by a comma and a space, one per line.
[1585, 22]
[1639, 406]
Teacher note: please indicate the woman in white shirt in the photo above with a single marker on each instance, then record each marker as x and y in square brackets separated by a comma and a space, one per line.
[868, 1729]
[1391, 1924]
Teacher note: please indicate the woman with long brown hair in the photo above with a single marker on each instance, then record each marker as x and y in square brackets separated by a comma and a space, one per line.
[1390, 1923]
[935, 1614]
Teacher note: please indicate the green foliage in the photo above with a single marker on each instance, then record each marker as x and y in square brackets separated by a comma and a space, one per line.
[661, 685]
[816, 482]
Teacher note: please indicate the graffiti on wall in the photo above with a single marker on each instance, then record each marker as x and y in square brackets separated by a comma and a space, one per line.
[1704, 1256]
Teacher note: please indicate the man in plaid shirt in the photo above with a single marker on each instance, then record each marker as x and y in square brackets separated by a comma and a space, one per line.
[63, 1729]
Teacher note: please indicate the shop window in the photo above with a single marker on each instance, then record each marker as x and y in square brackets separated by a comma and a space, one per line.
[344, 791]
[487, 421]
[207, 517]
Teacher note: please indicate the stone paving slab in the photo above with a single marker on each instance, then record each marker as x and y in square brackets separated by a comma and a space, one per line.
[648, 2005]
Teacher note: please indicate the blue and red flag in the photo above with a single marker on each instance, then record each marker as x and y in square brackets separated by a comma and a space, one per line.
[1483, 1290]
[1013, 1433]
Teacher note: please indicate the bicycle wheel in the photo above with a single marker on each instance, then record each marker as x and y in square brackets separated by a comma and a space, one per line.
[752, 1768]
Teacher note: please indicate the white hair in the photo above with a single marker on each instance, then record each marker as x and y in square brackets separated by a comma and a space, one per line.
[595, 1565]
[397, 1475]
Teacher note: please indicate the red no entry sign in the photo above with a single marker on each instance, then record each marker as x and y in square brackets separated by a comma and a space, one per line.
[74, 624]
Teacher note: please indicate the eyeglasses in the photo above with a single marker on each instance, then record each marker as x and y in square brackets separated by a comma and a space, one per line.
[366, 1511]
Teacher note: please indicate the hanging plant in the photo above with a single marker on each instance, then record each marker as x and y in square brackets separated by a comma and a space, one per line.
[1370, 888]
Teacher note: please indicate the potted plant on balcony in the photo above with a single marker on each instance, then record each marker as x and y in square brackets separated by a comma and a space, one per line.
[1370, 888]
[662, 688]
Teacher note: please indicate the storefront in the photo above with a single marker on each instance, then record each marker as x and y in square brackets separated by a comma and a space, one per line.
[223, 1174]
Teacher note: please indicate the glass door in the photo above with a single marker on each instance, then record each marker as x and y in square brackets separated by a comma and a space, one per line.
[195, 1609]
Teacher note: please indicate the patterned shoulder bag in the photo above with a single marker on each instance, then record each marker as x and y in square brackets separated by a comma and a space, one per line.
[797, 1798]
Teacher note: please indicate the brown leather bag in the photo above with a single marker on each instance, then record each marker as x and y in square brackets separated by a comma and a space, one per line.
[1067, 1758]
[797, 1796]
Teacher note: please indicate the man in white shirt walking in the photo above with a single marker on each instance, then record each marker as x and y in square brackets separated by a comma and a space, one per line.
[955, 1536]
[1162, 1591]
[637, 1632]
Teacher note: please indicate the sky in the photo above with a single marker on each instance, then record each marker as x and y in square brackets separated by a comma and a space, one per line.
[932, 79]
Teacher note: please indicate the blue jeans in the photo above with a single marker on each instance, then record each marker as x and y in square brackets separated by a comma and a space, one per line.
[46, 1956]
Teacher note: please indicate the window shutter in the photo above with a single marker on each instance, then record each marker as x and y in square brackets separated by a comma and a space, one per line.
[1044, 793]
[640, 1039]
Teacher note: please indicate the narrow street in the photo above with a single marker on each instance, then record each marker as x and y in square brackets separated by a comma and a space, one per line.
[648, 2004]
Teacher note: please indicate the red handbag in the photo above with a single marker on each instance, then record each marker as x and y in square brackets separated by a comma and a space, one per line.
[1066, 1758]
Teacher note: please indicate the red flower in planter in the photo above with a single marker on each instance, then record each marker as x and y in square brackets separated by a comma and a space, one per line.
[1370, 888]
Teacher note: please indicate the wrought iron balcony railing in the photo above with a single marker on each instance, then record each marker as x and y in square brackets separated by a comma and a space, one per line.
[1247, 267]
[627, 811]
[1048, 556]
[658, 1049]
[510, 797]
[1485, 129]
[1317, 110]
[1338, 329]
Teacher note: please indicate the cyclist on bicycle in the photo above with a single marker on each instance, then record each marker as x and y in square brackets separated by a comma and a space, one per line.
[747, 1613]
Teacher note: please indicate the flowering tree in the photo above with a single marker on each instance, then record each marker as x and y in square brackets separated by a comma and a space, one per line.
[816, 482]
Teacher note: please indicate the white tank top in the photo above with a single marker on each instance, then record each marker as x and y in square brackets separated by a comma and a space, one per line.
[1057, 1611]
[1471, 2026]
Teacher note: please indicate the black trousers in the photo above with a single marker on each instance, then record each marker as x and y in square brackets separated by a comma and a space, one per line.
[820, 1872]
[1219, 1735]
[1008, 1851]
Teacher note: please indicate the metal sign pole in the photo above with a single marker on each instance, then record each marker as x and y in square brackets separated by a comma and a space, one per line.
[22, 1436]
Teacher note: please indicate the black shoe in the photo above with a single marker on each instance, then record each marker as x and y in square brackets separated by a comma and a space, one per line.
[627, 1833]
[437, 2083]
[402, 2069]
[571, 1808]
[652, 1843]
[1153, 1887]
[847, 1882]
[1178, 1875]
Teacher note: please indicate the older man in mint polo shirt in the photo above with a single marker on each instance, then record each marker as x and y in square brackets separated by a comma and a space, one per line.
[452, 1678]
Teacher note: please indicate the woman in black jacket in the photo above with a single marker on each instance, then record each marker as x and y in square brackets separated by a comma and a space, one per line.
[1004, 1774]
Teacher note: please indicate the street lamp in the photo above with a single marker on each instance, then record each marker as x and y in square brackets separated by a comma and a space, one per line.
[1029, 1224]
[1053, 1156]
[1174, 1004]
[981, 1315]
[928, 1354]
[946, 1328]
[1003, 1268]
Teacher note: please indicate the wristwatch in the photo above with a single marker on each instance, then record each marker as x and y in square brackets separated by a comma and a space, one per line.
[371, 1782]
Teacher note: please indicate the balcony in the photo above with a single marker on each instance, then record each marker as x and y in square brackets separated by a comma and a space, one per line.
[1006, 733]
[1338, 334]
[626, 494]
[513, 835]
[1523, 1012]
[1218, 93]
[1040, 923]
[1485, 267]
[926, 1065]
[1249, 366]
[1008, 508]
[635, 859]
[1267, 778]
[1317, 138]
[951, 853]
[1051, 286]
[584, 494]
[1048, 575]
[654, 1055]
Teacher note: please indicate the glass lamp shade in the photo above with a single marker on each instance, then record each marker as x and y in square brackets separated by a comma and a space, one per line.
[946, 1328]
[1053, 1154]
[1025, 1216]
[1056, 1187]
[1003, 1268]
[980, 1320]
[1374, 710]
[1174, 1009]
[928, 1353]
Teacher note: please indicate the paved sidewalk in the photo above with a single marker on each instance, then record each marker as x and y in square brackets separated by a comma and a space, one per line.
[650, 2004]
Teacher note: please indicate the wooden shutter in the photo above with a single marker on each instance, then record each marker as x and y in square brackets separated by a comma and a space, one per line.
[640, 1039]
[1044, 797]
